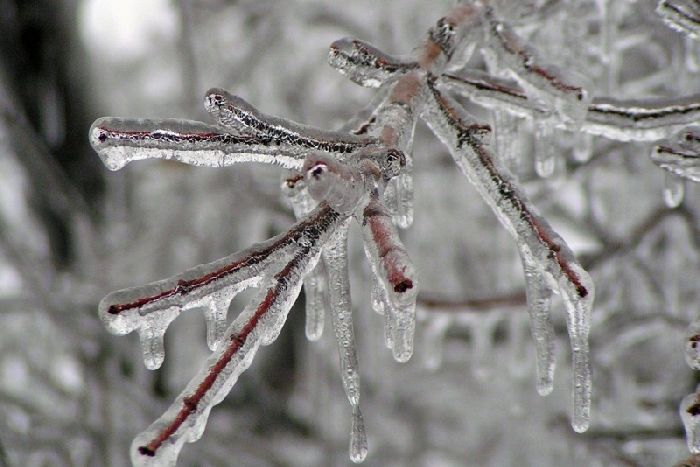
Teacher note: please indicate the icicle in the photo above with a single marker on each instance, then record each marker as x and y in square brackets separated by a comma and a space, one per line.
[314, 289]
[692, 346]
[539, 296]
[690, 414]
[674, 190]
[398, 198]
[336, 261]
[505, 139]
[215, 317]
[434, 339]
[153, 348]
[389, 258]
[151, 335]
[578, 324]
[389, 320]
[380, 301]
[583, 147]
[358, 436]
[545, 149]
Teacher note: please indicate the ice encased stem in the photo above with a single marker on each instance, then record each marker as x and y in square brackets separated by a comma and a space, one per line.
[537, 241]
[315, 282]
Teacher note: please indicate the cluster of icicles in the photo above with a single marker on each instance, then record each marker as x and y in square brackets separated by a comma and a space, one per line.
[364, 172]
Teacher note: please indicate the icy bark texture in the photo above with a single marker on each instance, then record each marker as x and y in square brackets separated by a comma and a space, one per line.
[588, 164]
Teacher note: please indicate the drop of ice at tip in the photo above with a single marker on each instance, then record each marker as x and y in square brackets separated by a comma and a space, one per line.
[402, 347]
[580, 425]
[358, 436]
[674, 190]
[153, 348]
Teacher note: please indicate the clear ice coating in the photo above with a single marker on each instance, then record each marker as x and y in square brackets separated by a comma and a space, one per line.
[258, 323]
[681, 15]
[648, 119]
[119, 141]
[395, 270]
[294, 187]
[241, 117]
[505, 50]
[539, 245]
[364, 172]
[335, 257]
[364, 64]
[336, 261]
[680, 154]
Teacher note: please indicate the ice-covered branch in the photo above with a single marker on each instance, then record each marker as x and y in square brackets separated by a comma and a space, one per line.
[150, 308]
[119, 141]
[235, 113]
[395, 275]
[364, 64]
[315, 282]
[259, 323]
[505, 50]
[362, 172]
[647, 119]
[681, 15]
[681, 154]
[539, 245]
